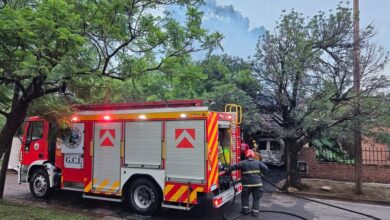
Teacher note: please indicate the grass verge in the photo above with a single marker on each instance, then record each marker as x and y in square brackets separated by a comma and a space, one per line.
[11, 210]
[346, 190]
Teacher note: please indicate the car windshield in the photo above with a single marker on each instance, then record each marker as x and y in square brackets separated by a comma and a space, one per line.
[263, 145]
[275, 146]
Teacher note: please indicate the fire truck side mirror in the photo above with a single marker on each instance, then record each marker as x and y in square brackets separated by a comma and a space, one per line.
[27, 145]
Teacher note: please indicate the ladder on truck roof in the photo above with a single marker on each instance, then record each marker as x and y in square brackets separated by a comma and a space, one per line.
[234, 108]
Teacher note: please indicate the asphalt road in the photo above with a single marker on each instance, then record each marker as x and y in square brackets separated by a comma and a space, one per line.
[72, 201]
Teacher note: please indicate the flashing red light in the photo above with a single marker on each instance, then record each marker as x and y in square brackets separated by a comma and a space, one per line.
[217, 202]
[75, 118]
[107, 117]
[230, 117]
[239, 188]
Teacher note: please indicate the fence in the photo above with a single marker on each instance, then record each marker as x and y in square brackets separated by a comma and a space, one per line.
[370, 156]
[376, 156]
[376, 166]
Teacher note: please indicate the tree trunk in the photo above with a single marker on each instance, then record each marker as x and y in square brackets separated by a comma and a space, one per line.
[293, 178]
[13, 122]
[3, 171]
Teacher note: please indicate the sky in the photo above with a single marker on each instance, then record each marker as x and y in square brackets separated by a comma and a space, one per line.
[243, 21]
[239, 37]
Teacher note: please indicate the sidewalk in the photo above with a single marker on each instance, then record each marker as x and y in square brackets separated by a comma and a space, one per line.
[372, 192]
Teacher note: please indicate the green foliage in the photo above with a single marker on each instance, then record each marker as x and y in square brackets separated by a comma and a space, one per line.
[378, 128]
[38, 41]
[305, 70]
[78, 47]
[128, 40]
[2, 120]
[229, 93]
[230, 80]
[48, 44]
[37, 45]
[328, 150]
[53, 108]
[384, 138]
[222, 78]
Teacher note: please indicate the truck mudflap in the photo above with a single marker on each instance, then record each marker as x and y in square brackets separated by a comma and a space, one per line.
[226, 196]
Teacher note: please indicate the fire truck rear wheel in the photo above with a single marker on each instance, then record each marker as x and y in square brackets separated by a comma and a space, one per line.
[144, 197]
[39, 184]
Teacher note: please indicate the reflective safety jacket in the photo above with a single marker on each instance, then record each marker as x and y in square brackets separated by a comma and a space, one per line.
[250, 172]
[254, 145]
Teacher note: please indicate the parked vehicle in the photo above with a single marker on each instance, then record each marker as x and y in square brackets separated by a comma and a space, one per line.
[15, 154]
[146, 155]
[272, 151]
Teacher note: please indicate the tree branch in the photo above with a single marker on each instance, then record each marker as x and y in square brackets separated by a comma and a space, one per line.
[4, 113]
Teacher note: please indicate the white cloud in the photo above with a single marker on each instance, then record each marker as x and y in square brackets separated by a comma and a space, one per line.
[240, 39]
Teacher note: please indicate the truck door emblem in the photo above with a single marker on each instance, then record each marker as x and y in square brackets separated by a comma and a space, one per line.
[184, 138]
[107, 137]
[36, 146]
[73, 140]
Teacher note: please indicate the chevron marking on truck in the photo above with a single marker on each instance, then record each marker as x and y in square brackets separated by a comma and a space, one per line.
[213, 149]
[114, 187]
[170, 190]
[103, 184]
[179, 193]
[112, 190]
[88, 187]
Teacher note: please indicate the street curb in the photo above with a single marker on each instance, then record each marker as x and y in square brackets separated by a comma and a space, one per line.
[332, 197]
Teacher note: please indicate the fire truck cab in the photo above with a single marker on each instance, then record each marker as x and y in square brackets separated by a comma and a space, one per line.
[148, 155]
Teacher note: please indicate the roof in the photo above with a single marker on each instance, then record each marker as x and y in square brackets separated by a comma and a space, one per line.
[141, 105]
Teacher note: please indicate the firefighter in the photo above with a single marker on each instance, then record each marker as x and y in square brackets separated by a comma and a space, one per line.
[251, 181]
[244, 147]
[253, 144]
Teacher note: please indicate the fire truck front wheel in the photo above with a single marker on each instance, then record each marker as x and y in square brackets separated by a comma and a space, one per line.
[39, 184]
[144, 197]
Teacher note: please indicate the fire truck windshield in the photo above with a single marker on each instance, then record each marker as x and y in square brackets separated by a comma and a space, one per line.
[35, 131]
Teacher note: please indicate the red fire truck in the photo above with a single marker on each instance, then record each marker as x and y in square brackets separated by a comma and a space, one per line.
[148, 155]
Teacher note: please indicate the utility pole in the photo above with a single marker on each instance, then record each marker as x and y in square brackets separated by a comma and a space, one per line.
[356, 85]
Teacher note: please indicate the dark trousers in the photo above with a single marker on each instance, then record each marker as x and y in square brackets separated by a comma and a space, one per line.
[256, 195]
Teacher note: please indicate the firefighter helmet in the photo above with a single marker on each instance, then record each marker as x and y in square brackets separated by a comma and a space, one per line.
[249, 154]
[244, 147]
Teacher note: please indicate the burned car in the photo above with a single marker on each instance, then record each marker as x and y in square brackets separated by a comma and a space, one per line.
[272, 151]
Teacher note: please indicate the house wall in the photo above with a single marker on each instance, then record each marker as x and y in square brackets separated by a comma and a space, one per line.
[342, 172]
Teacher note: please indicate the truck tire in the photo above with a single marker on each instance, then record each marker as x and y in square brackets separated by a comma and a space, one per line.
[39, 184]
[144, 197]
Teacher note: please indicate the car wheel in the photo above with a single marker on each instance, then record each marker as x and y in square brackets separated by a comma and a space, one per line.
[39, 184]
[144, 197]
